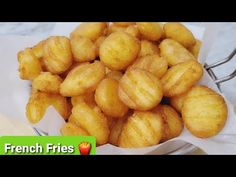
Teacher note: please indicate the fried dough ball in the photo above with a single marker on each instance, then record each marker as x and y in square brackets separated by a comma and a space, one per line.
[117, 75]
[142, 129]
[82, 79]
[148, 48]
[181, 77]
[140, 89]
[133, 31]
[106, 97]
[47, 82]
[83, 49]
[173, 124]
[196, 48]
[150, 30]
[70, 129]
[113, 28]
[123, 24]
[57, 54]
[38, 49]
[177, 101]
[204, 112]
[98, 43]
[119, 50]
[174, 52]
[29, 65]
[93, 122]
[40, 101]
[179, 33]
[115, 131]
[91, 30]
[153, 63]
[87, 98]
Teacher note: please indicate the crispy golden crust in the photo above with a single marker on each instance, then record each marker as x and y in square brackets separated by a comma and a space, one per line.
[148, 48]
[91, 30]
[142, 129]
[123, 24]
[57, 54]
[39, 102]
[70, 129]
[195, 48]
[106, 97]
[153, 63]
[140, 89]
[29, 65]
[47, 82]
[83, 49]
[173, 124]
[133, 31]
[181, 77]
[179, 33]
[174, 52]
[117, 75]
[83, 79]
[38, 49]
[93, 122]
[119, 50]
[177, 101]
[98, 43]
[204, 112]
[150, 31]
[87, 98]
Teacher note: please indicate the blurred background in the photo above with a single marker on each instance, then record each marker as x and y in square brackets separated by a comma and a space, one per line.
[224, 44]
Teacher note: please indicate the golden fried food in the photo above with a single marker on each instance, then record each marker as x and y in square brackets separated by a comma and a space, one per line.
[57, 54]
[82, 79]
[119, 50]
[174, 52]
[93, 122]
[140, 89]
[115, 131]
[181, 77]
[148, 48]
[83, 49]
[177, 101]
[179, 33]
[173, 124]
[37, 106]
[133, 31]
[39, 102]
[61, 104]
[38, 49]
[141, 129]
[117, 75]
[47, 82]
[153, 63]
[70, 129]
[106, 97]
[150, 30]
[196, 48]
[29, 65]
[113, 28]
[98, 43]
[204, 112]
[91, 30]
[87, 98]
[124, 24]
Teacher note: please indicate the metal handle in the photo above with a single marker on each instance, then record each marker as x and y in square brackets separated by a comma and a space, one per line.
[218, 81]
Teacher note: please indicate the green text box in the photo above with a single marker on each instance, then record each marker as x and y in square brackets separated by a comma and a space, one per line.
[46, 145]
